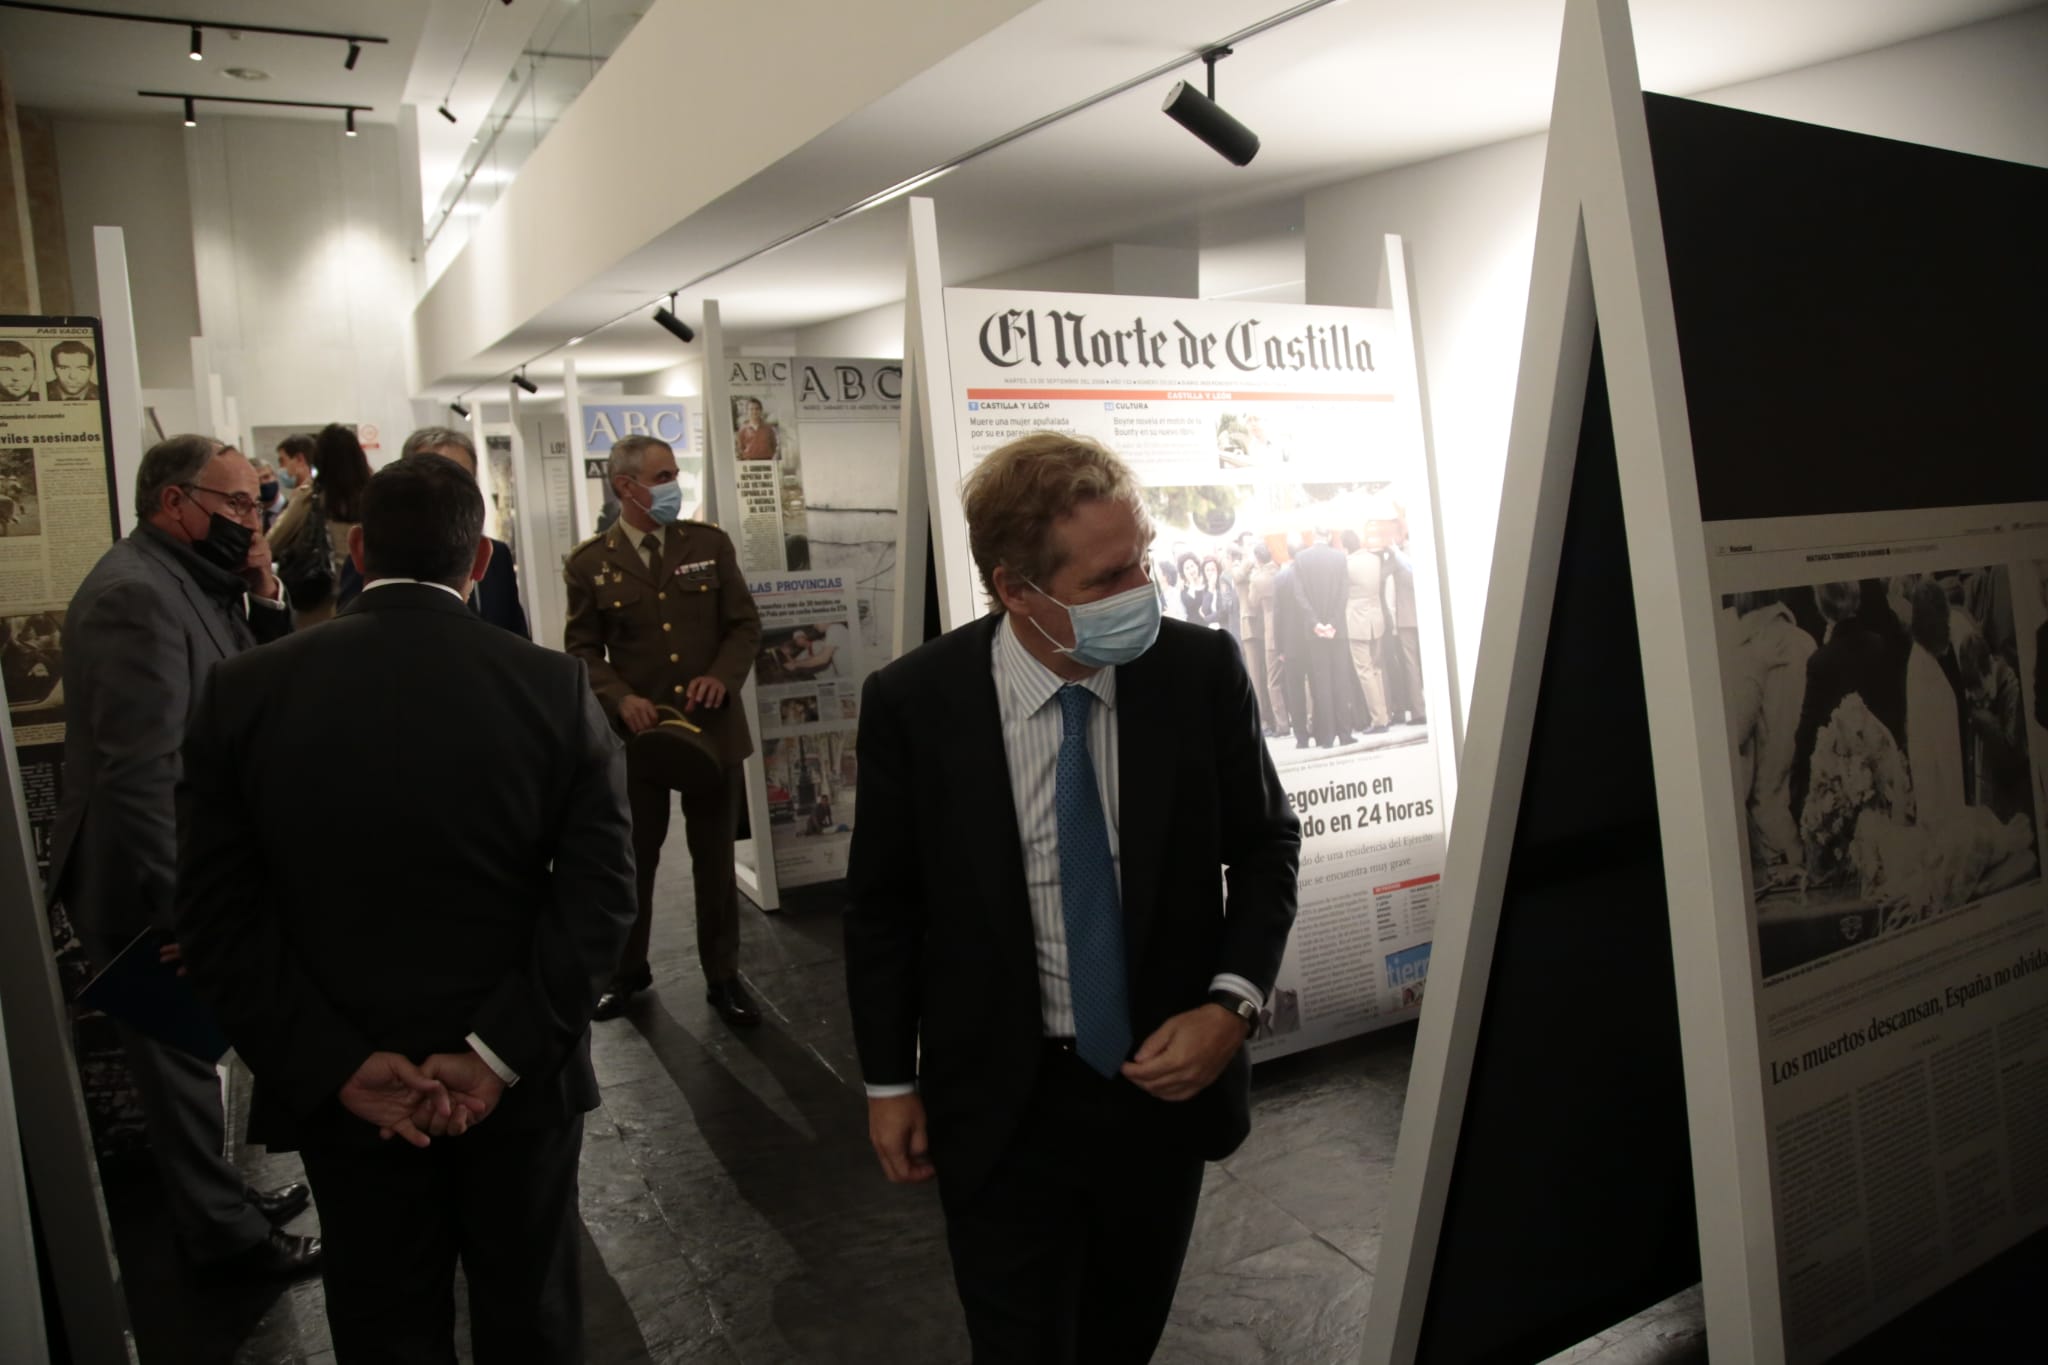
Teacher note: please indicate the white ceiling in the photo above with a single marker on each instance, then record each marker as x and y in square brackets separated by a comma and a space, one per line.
[1358, 86]
[94, 66]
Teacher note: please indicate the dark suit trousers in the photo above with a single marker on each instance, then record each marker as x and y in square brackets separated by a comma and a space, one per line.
[710, 826]
[395, 1219]
[1070, 1252]
[181, 1111]
[1331, 685]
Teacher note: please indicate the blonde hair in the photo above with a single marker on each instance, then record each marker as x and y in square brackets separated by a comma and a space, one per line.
[1016, 497]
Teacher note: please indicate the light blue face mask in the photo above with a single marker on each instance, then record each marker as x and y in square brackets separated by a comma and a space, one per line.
[666, 506]
[1111, 632]
[285, 479]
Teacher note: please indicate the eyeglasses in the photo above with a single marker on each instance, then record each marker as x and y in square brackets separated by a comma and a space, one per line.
[241, 504]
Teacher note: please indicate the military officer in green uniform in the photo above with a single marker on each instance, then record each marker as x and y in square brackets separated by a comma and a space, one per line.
[660, 612]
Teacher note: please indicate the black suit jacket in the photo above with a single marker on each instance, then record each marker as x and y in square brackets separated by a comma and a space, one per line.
[495, 598]
[480, 877]
[939, 945]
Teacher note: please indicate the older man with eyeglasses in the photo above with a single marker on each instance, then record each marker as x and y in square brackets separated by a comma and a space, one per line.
[192, 586]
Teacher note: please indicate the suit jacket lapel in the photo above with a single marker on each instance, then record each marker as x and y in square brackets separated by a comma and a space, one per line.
[978, 786]
[1144, 753]
[202, 606]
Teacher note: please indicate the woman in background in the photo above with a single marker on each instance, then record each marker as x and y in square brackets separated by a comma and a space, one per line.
[310, 539]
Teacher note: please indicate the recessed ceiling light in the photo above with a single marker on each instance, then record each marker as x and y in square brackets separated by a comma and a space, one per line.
[246, 73]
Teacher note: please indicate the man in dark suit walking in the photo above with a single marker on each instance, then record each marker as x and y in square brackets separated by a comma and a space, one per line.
[433, 980]
[190, 587]
[1322, 584]
[1050, 987]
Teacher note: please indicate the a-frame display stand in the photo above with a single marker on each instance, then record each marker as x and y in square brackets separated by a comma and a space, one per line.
[1547, 1058]
[1597, 939]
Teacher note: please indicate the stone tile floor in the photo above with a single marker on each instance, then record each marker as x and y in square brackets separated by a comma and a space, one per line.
[733, 1213]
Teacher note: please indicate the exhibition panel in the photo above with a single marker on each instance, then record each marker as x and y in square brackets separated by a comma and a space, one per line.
[1283, 471]
[1833, 542]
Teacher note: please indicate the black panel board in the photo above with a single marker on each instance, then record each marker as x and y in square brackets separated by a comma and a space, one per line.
[1571, 1202]
[1863, 322]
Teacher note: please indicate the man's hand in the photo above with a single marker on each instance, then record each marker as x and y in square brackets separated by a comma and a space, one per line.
[473, 1093]
[639, 714]
[256, 569]
[387, 1090]
[1186, 1053]
[706, 691]
[172, 953]
[896, 1128]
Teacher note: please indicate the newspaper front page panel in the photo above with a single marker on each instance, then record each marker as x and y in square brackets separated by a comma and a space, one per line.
[1291, 506]
[1883, 675]
[847, 427]
[808, 678]
[768, 460]
[56, 520]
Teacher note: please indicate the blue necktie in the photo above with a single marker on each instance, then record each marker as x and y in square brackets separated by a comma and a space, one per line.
[1088, 897]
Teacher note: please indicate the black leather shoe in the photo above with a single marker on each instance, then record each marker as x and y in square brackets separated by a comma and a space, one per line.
[280, 1256]
[283, 1204]
[620, 993]
[733, 1004]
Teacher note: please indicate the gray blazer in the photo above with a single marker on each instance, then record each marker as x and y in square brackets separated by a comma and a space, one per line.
[139, 638]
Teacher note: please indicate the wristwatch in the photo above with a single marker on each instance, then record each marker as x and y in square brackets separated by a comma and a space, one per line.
[1237, 1005]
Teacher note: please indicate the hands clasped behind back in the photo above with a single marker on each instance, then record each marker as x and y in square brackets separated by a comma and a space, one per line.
[444, 1096]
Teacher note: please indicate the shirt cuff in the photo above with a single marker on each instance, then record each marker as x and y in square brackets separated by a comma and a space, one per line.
[280, 604]
[1237, 985]
[890, 1092]
[493, 1061]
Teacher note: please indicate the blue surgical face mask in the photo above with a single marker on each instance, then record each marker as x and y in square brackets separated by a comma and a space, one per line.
[1111, 632]
[666, 505]
[285, 479]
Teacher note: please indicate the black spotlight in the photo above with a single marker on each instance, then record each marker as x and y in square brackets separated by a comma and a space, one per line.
[1202, 116]
[191, 115]
[443, 112]
[523, 382]
[458, 409]
[673, 325]
[355, 50]
[196, 55]
[350, 127]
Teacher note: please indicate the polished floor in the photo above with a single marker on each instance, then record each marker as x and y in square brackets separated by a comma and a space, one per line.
[733, 1212]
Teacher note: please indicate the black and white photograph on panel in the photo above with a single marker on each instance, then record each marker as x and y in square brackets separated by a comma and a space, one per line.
[32, 665]
[1882, 755]
[21, 500]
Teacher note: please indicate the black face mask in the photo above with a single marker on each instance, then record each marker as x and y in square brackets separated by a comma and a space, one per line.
[226, 545]
[266, 493]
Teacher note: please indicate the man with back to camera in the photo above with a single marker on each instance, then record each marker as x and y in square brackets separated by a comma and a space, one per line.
[71, 378]
[496, 597]
[416, 1008]
[191, 586]
[17, 372]
[659, 610]
[1050, 987]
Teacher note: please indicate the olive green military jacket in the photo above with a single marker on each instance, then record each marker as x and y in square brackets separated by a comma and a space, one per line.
[647, 632]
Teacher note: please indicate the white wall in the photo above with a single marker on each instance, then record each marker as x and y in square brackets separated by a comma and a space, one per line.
[302, 254]
[876, 333]
[1470, 222]
[131, 175]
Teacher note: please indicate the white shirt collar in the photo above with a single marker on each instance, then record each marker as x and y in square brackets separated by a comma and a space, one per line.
[377, 583]
[1029, 684]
